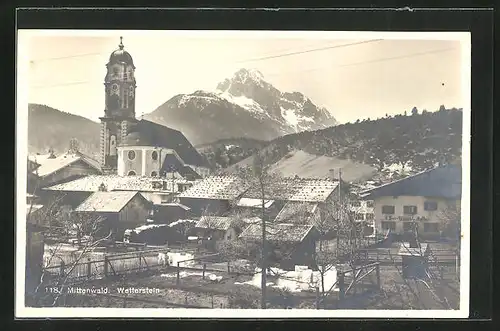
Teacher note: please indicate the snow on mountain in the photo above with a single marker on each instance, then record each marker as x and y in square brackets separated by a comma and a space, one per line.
[244, 105]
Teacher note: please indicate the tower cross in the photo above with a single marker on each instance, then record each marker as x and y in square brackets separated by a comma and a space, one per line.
[121, 42]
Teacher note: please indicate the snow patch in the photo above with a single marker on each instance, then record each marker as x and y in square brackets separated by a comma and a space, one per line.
[301, 279]
[244, 102]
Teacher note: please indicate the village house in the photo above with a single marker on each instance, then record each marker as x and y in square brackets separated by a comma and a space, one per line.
[120, 211]
[49, 169]
[214, 195]
[168, 212]
[288, 244]
[158, 190]
[417, 200]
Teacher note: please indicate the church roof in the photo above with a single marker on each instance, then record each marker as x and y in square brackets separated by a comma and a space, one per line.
[147, 133]
[121, 56]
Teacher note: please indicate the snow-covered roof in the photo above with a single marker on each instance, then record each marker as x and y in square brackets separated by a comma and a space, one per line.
[444, 182]
[405, 249]
[147, 227]
[296, 211]
[49, 164]
[181, 221]
[254, 203]
[106, 201]
[296, 189]
[277, 232]
[120, 183]
[214, 222]
[216, 188]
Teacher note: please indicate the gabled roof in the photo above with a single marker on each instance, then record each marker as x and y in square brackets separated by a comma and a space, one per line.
[440, 182]
[214, 222]
[106, 202]
[254, 203]
[216, 188]
[154, 134]
[277, 232]
[49, 165]
[119, 183]
[296, 212]
[296, 189]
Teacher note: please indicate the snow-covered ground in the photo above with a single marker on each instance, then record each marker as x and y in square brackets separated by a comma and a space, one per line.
[301, 279]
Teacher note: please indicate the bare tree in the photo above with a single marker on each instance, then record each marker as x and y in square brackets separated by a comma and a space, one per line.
[85, 225]
[264, 182]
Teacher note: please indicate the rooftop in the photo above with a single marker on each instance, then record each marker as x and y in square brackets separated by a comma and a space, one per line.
[254, 203]
[214, 222]
[50, 163]
[216, 188]
[296, 189]
[106, 202]
[277, 232]
[442, 182]
[120, 183]
[296, 212]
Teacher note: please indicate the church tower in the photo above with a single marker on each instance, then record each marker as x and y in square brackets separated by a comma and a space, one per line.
[119, 112]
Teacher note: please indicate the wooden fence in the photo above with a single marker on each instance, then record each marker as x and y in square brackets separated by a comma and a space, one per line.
[109, 265]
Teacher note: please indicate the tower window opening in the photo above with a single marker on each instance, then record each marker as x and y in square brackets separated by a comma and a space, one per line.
[154, 155]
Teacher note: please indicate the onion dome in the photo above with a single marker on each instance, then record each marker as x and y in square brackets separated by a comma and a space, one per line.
[121, 56]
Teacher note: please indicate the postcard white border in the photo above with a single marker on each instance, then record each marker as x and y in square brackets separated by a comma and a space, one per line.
[21, 153]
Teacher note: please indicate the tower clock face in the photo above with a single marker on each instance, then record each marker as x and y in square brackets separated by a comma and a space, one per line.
[114, 89]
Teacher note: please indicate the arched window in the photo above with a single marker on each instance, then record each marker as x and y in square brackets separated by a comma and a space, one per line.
[131, 173]
[131, 155]
[154, 155]
[154, 174]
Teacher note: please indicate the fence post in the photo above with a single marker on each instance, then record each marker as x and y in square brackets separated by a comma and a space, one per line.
[89, 267]
[341, 285]
[61, 270]
[204, 269]
[228, 268]
[124, 302]
[377, 271]
[212, 297]
[140, 261]
[317, 297]
[178, 280]
[106, 262]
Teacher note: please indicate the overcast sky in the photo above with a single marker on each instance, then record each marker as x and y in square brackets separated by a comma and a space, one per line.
[353, 82]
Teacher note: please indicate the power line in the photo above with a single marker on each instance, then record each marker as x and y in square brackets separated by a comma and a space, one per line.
[368, 62]
[64, 57]
[280, 74]
[310, 50]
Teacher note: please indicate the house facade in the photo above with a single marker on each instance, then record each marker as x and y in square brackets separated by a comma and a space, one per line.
[417, 201]
[119, 210]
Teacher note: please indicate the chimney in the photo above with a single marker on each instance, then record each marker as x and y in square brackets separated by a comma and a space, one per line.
[331, 174]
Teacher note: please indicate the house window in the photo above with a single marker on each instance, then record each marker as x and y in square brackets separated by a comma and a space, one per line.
[431, 227]
[358, 217]
[388, 210]
[131, 155]
[409, 210]
[356, 203]
[154, 155]
[408, 226]
[369, 204]
[430, 205]
[131, 173]
[154, 174]
[388, 225]
[369, 216]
